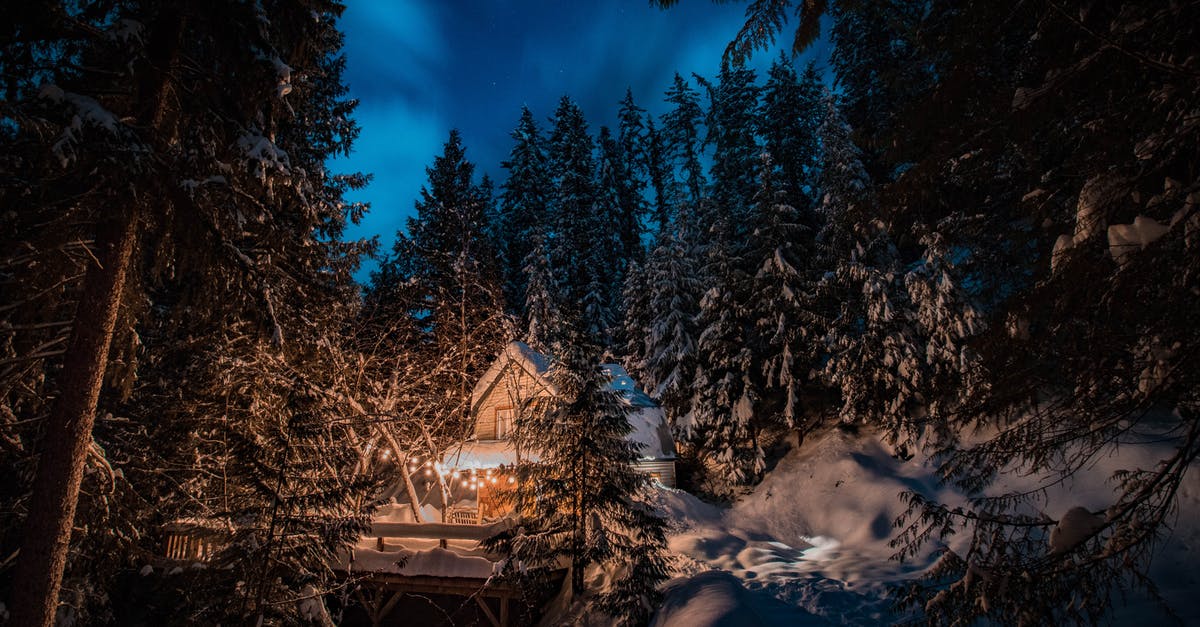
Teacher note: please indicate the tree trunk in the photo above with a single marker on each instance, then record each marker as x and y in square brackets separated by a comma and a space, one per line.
[68, 434]
[38, 575]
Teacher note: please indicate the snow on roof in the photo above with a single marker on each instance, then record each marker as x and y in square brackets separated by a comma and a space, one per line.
[519, 353]
[484, 454]
[649, 422]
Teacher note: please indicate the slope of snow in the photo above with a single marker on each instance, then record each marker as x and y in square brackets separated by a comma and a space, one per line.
[717, 599]
[814, 536]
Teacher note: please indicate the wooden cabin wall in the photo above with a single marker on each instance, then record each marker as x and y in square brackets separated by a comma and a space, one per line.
[664, 469]
[512, 388]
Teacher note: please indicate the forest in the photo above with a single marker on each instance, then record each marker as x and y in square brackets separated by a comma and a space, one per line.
[973, 240]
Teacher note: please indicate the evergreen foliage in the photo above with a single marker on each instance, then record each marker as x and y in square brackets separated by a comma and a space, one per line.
[681, 142]
[790, 114]
[583, 501]
[523, 204]
[733, 134]
[663, 351]
[786, 327]
[210, 174]
[724, 394]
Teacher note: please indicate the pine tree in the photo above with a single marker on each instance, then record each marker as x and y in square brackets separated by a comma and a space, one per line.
[681, 141]
[449, 272]
[732, 129]
[666, 354]
[616, 197]
[584, 501]
[523, 204]
[199, 182]
[722, 406]
[787, 328]
[790, 115]
[660, 177]
[844, 185]
[631, 140]
[584, 236]
[542, 298]
[876, 61]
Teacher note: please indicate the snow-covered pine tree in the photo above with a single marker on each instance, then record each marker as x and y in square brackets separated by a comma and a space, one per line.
[542, 298]
[582, 500]
[790, 115]
[732, 132]
[681, 142]
[660, 178]
[666, 350]
[631, 141]
[616, 198]
[635, 302]
[448, 268]
[844, 187]
[722, 406]
[875, 362]
[875, 359]
[523, 204]
[203, 187]
[787, 326]
[878, 67]
[584, 237]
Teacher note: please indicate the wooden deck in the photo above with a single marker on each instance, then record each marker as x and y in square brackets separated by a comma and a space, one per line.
[382, 590]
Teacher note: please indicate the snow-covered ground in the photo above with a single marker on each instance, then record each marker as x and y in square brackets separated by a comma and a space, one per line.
[810, 544]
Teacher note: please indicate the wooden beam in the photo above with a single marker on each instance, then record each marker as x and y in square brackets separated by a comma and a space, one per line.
[487, 611]
[504, 611]
[389, 606]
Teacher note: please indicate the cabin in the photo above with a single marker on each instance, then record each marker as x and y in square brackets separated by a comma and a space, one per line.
[512, 384]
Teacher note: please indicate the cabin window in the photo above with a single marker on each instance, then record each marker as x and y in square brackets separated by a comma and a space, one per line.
[504, 422]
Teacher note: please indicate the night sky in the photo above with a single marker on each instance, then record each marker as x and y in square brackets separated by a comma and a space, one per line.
[420, 68]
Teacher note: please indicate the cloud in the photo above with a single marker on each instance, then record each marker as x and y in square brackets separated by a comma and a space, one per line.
[393, 47]
[398, 141]
[420, 68]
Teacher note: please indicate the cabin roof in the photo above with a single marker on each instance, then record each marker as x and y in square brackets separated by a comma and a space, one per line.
[649, 422]
[521, 355]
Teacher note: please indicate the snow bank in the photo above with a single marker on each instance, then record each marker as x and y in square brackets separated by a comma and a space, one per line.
[814, 534]
[718, 599]
[842, 487]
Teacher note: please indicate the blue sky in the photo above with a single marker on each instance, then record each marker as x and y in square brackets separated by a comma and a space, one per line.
[420, 68]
